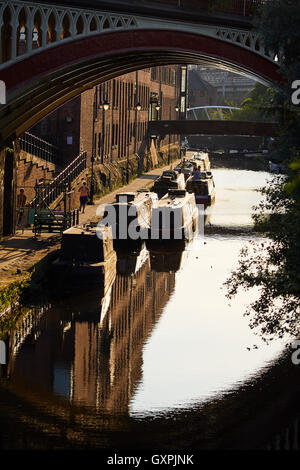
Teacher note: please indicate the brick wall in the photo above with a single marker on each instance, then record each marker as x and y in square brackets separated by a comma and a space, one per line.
[62, 128]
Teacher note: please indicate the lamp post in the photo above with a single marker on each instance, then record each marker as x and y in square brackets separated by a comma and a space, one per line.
[92, 189]
[138, 108]
[177, 109]
[105, 107]
[157, 107]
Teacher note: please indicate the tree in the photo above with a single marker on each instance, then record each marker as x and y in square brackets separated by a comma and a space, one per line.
[273, 265]
[256, 106]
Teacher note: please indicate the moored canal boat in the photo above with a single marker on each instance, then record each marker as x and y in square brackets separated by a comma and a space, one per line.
[129, 215]
[169, 179]
[186, 168]
[86, 258]
[202, 160]
[203, 188]
[174, 218]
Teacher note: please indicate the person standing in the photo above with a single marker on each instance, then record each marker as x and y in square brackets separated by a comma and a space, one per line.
[21, 201]
[197, 174]
[84, 194]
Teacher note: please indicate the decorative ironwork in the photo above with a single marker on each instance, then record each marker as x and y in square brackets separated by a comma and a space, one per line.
[29, 27]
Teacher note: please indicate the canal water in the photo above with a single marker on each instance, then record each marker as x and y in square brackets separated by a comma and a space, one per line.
[163, 359]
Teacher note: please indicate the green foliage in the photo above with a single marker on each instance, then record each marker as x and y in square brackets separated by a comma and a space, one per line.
[292, 187]
[279, 28]
[256, 106]
[9, 297]
[273, 265]
[11, 294]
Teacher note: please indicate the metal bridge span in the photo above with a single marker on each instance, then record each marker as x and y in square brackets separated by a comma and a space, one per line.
[51, 53]
[213, 127]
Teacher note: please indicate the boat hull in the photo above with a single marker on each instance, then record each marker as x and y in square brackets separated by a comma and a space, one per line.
[85, 273]
[205, 200]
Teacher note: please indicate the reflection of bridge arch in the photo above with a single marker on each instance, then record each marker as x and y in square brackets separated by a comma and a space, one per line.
[193, 111]
[76, 49]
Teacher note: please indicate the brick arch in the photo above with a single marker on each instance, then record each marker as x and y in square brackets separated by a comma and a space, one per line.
[62, 72]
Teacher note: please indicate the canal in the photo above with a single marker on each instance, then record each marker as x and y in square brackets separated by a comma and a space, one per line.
[163, 360]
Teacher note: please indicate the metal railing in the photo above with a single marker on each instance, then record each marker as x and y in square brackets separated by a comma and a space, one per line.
[65, 177]
[33, 145]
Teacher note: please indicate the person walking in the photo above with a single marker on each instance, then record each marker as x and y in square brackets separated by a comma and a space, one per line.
[84, 194]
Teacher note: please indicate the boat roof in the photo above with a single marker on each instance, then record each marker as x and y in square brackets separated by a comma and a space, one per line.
[207, 181]
[173, 201]
[136, 198]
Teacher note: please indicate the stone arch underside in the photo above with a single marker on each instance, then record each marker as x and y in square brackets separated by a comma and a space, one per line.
[38, 84]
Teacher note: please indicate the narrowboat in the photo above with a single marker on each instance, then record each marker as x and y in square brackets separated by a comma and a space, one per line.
[86, 258]
[202, 188]
[129, 215]
[174, 218]
[186, 168]
[202, 160]
[169, 179]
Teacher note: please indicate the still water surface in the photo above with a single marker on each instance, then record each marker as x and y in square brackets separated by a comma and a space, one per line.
[163, 341]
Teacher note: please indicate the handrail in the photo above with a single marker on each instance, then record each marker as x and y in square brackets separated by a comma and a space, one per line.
[65, 177]
[38, 147]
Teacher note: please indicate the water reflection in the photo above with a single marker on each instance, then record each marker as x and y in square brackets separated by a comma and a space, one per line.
[237, 194]
[87, 354]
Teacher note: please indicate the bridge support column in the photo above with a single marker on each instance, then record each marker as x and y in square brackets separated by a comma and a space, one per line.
[8, 168]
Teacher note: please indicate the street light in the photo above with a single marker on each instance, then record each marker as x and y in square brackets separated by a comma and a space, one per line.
[95, 115]
[105, 107]
[138, 108]
[177, 108]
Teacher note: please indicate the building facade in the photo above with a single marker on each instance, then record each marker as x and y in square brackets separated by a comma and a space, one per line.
[200, 92]
[110, 121]
[229, 87]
